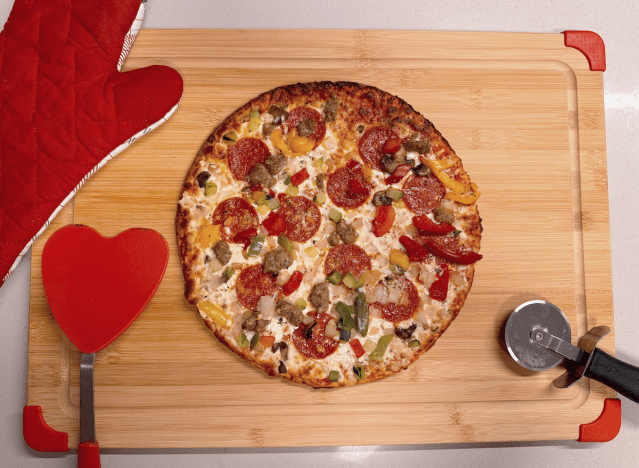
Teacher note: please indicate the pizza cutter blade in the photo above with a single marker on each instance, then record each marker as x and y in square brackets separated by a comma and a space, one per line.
[538, 338]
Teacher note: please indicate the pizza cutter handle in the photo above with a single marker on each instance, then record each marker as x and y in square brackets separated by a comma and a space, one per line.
[616, 374]
[89, 455]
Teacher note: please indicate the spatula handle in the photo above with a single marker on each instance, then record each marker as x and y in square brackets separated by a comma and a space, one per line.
[618, 375]
[89, 455]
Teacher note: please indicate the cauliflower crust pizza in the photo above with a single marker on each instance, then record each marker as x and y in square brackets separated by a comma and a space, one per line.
[328, 233]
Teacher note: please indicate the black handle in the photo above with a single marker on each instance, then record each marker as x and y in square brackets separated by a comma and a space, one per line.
[618, 375]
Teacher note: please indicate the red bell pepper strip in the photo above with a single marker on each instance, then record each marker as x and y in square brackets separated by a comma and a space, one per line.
[416, 253]
[358, 349]
[275, 224]
[424, 223]
[293, 283]
[439, 289]
[449, 248]
[353, 165]
[299, 177]
[384, 220]
[356, 186]
[398, 174]
[267, 340]
[259, 188]
[245, 237]
[392, 146]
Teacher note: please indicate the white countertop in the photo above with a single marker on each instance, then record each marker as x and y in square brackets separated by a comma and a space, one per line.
[616, 21]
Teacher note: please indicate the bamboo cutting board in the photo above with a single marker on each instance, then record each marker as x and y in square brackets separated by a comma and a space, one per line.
[525, 114]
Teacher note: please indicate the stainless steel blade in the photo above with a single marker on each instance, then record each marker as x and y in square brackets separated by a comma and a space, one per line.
[535, 315]
[87, 410]
[559, 346]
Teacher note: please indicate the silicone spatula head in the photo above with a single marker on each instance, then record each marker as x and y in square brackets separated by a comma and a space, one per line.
[97, 286]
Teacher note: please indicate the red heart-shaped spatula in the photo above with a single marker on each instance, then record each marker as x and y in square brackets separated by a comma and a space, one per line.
[96, 287]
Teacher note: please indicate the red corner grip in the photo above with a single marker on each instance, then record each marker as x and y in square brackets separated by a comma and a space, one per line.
[591, 45]
[606, 426]
[38, 434]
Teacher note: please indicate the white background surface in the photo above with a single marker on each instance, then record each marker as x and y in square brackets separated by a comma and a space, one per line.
[617, 22]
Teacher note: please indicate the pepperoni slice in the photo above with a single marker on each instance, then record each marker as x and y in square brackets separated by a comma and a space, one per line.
[245, 154]
[315, 344]
[407, 304]
[422, 194]
[298, 114]
[302, 217]
[371, 145]
[253, 283]
[236, 215]
[347, 188]
[347, 258]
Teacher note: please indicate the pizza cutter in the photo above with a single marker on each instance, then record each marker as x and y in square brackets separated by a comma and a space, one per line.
[96, 287]
[538, 338]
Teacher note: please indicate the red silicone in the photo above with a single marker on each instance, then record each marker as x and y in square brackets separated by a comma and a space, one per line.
[39, 435]
[591, 45]
[89, 455]
[97, 286]
[606, 426]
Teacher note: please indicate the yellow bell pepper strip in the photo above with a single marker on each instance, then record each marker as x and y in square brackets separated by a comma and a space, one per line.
[437, 167]
[299, 144]
[216, 313]
[208, 234]
[459, 190]
[277, 138]
[397, 257]
[294, 145]
[466, 199]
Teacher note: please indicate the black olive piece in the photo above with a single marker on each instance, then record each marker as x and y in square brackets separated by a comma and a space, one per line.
[202, 177]
[308, 333]
[380, 198]
[405, 333]
[421, 170]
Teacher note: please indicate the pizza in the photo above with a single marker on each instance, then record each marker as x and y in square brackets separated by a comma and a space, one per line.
[328, 233]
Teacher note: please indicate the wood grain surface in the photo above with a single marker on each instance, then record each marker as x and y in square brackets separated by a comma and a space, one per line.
[526, 116]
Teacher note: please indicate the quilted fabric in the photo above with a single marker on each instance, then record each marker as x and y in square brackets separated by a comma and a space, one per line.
[65, 109]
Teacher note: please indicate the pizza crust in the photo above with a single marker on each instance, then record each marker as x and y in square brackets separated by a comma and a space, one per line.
[368, 107]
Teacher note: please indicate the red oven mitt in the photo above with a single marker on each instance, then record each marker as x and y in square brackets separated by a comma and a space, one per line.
[65, 109]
